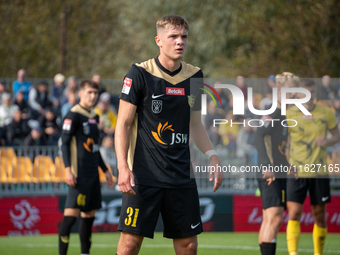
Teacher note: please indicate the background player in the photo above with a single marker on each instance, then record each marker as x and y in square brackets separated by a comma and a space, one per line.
[156, 111]
[270, 142]
[308, 144]
[81, 158]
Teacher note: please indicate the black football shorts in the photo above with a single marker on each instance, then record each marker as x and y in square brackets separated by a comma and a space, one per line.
[179, 208]
[86, 196]
[318, 188]
[274, 194]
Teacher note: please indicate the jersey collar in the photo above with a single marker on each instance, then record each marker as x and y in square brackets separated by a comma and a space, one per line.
[166, 70]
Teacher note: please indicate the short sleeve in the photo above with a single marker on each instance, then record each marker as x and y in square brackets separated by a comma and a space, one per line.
[331, 120]
[133, 86]
[69, 124]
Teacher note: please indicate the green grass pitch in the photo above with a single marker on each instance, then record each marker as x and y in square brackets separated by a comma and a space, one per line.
[209, 243]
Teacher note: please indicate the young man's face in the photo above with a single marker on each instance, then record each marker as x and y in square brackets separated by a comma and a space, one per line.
[88, 96]
[172, 42]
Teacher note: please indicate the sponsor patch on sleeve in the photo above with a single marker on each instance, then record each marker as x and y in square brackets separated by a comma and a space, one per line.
[127, 86]
[67, 124]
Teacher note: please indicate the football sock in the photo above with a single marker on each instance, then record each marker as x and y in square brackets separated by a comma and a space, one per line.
[268, 248]
[85, 231]
[64, 233]
[293, 236]
[319, 236]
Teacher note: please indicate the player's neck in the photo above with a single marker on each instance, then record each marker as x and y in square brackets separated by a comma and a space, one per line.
[85, 107]
[309, 107]
[169, 64]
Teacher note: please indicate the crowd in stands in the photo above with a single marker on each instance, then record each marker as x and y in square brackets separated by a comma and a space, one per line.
[32, 114]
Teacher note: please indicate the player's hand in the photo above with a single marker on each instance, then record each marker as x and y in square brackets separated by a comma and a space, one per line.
[320, 141]
[126, 181]
[293, 172]
[269, 176]
[109, 179]
[70, 179]
[215, 161]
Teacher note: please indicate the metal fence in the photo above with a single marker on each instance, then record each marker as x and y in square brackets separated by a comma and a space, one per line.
[40, 171]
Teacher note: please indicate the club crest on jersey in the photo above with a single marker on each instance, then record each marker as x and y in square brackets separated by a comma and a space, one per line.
[86, 128]
[157, 106]
[191, 100]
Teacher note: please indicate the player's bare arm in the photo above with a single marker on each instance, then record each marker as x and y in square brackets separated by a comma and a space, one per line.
[323, 141]
[126, 114]
[200, 137]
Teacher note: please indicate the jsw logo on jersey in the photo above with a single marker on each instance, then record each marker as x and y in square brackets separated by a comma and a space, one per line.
[176, 138]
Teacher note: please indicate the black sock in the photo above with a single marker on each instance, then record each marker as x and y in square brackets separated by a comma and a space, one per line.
[268, 248]
[85, 231]
[64, 233]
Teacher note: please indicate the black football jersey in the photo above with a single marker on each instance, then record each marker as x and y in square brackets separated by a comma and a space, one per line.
[80, 142]
[159, 153]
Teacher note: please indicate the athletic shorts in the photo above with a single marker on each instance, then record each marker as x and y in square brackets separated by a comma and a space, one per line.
[318, 188]
[179, 208]
[86, 196]
[274, 194]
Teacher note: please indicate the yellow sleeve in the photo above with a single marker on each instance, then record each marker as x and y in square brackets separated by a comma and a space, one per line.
[331, 120]
[97, 111]
[113, 118]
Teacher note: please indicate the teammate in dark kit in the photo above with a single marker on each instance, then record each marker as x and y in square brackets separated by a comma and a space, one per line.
[271, 142]
[157, 110]
[81, 158]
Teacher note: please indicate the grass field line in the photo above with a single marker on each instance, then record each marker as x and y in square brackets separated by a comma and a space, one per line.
[200, 246]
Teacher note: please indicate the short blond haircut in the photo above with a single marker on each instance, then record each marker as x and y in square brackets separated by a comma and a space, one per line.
[172, 19]
[282, 79]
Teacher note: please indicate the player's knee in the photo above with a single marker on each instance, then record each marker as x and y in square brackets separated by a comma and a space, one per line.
[130, 247]
[189, 247]
[319, 218]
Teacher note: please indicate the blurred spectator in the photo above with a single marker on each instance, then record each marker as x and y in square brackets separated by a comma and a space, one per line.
[22, 84]
[98, 79]
[72, 100]
[326, 91]
[107, 116]
[213, 113]
[17, 130]
[49, 127]
[38, 99]
[2, 89]
[35, 137]
[6, 110]
[72, 85]
[108, 153]
[241, 84]
[267, 100]
[245, 145]
[229, 132]
[57, 91]
[271, 82]
[22, 104]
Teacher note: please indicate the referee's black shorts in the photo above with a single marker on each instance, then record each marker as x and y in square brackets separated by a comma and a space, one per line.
[274, 194]
[85, 196]
[179, 208]
[318, 188]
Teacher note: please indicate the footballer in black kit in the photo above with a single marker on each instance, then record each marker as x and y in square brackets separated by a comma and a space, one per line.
[157, 111]
[81, 157]
[271, 142]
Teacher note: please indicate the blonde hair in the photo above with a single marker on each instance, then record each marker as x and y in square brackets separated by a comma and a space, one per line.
[172, 19]
[281, 79]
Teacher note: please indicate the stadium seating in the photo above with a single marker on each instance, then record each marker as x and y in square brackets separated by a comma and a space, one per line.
[43, 169]
[59, 170]
[9, 154]
[6, 169]
[23, 171]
